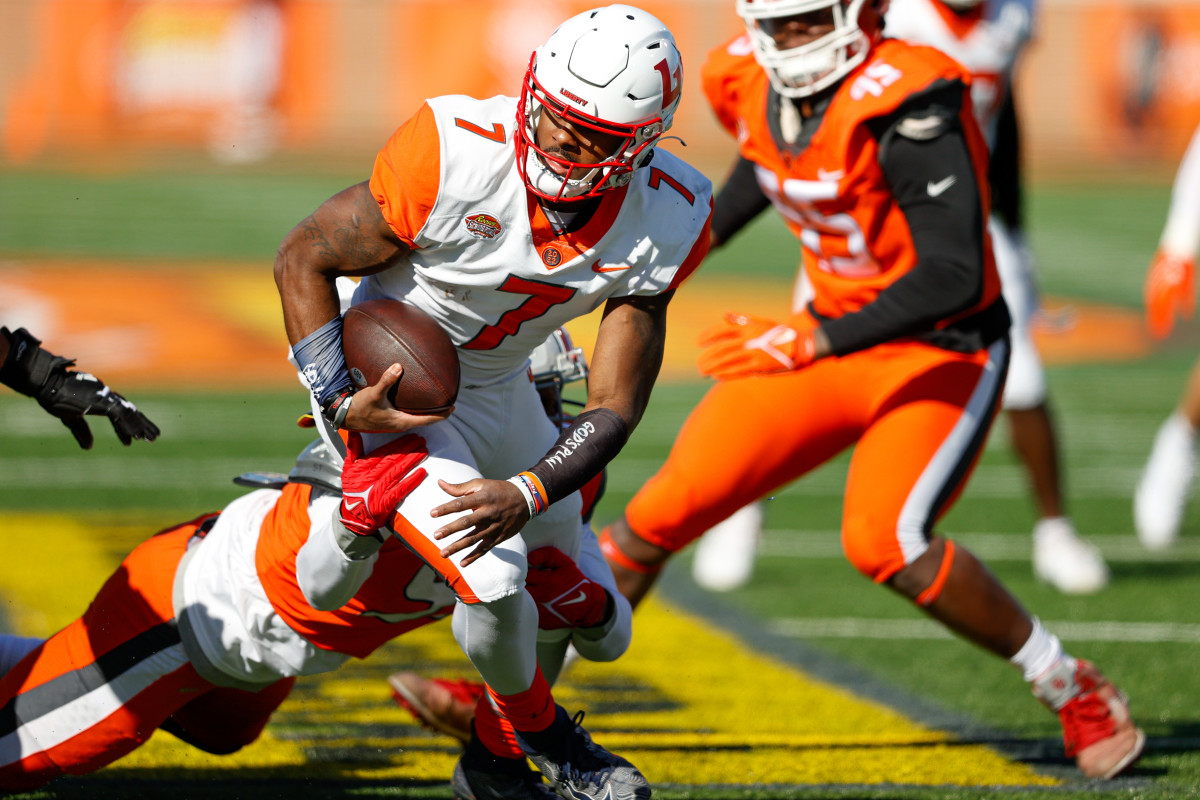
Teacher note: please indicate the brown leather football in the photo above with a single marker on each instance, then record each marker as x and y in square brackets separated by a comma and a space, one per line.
[379, 333]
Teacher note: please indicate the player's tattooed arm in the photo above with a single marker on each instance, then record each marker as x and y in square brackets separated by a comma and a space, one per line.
[347, 235]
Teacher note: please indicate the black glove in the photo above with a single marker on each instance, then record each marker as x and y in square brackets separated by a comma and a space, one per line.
[69, 395]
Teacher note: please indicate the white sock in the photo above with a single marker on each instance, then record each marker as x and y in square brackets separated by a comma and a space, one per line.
[1052, 523]
[1039, 653]
[1179, 422]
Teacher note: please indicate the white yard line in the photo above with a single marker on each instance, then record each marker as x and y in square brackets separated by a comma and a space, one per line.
[781, 543]
[862, 628]
[148, 471]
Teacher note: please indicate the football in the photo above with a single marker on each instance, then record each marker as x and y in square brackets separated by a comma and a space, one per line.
[379, 333]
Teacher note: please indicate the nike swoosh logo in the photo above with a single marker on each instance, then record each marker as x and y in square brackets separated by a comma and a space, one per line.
[941, 186]
[834, 175]
[579, 598]
[351, 506]
[597, 268]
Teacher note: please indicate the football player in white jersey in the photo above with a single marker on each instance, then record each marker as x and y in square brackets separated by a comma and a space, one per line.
[1166, 482]
[448, 705]
[503, 219]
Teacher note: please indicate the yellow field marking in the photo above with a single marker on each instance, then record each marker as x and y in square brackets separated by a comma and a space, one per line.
[688, 705]
[793, 729]
[51, 567]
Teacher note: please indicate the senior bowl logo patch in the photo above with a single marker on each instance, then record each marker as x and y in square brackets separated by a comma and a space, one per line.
[551, 257]
[485, 226]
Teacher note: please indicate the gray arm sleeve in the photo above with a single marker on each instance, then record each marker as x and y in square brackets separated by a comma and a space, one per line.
[334, 563]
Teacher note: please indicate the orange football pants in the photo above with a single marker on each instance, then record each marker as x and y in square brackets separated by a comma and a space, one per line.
[917, 415]
[101, 686]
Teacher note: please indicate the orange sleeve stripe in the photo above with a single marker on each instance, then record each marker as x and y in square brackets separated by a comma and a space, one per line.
[614, 554]
[697, 254]
[934, 590]
[407, 173]
[430, 552]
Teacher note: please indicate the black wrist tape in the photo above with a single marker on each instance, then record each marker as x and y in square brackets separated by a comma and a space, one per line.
[336, 407]
[583, 449]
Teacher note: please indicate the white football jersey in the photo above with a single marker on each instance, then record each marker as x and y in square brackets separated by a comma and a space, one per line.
[231, 618]
[485, 262]
[988, 47]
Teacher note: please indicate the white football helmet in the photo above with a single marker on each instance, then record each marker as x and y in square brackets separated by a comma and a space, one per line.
[614, 69]
[555, 363]
[817, 65]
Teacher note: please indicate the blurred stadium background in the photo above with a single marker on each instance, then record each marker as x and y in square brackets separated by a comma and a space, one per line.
[153, 153]
[245, 80]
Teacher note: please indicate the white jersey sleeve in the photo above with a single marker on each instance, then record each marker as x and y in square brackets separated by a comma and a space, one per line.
[331, 568]
[229, 615]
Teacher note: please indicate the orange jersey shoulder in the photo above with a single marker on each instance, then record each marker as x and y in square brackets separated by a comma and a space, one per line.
[407, 175]
[731, 77]
[832, 192]
[895, 71]
[386, 605]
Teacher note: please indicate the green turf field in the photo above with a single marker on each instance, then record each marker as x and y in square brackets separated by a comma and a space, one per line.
[806, 607]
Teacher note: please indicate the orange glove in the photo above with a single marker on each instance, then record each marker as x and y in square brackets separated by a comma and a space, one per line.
[742, 345]
[1170, 290]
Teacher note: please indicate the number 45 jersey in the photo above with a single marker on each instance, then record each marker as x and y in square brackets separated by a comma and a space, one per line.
[824, 173]
[485, 261]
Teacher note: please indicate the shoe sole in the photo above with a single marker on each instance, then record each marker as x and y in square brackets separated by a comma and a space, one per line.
[424, 713]
[1130, 758]
[460, 786]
